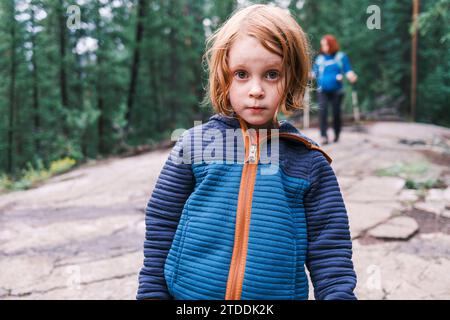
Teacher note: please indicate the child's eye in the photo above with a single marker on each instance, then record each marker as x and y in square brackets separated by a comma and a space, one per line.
[272, 75]
[240, 74]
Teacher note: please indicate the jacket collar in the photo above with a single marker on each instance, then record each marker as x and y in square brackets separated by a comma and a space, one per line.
[284, 126]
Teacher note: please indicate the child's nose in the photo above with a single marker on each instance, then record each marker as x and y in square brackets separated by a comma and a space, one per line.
[256, 90]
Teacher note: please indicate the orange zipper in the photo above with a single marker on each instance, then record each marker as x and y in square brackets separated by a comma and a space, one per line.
[252, 154]
[238, 260]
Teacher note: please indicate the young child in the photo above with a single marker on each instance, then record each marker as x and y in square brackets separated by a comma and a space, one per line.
[235, 229]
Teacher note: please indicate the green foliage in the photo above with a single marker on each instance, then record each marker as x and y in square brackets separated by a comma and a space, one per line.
[31, 176]
[436, 15]
[61, 166]
[416, 175]
[403, 170]
[5, 183]
[434, 49]
[423, 185]
[67, 92]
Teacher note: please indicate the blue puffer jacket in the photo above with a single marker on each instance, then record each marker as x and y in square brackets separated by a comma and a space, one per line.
[231, 231]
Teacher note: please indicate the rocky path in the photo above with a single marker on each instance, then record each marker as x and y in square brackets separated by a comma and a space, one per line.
[79, 236]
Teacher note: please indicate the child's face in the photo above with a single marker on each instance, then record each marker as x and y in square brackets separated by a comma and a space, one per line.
[256, 81]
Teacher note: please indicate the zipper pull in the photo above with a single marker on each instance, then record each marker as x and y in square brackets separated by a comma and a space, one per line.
[252, 154]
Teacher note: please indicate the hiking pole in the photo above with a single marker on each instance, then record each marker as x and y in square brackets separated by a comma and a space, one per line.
[355, 106]
[356, 115]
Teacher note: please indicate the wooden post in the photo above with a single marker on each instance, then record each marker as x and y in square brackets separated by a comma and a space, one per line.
[415, 14]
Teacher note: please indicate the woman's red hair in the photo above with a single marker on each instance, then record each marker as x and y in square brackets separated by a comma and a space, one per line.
[332, 43]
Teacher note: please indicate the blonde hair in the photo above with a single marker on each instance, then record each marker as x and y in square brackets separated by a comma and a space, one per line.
[273, 27]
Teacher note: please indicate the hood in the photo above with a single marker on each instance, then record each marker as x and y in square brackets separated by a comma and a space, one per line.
[283, 125]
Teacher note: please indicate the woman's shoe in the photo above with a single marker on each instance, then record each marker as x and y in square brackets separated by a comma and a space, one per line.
[324, 141]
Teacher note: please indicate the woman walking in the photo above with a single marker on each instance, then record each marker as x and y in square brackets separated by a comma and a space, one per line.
[328, 69]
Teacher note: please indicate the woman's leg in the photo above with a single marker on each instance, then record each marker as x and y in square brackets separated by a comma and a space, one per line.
[322, 100]
[336, 103]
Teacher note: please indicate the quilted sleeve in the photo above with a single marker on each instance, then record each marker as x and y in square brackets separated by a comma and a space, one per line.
[174, 185]
[329, 255]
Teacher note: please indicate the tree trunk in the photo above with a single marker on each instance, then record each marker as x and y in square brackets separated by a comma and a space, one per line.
[36, 118]
[174, 63]
[62, 53]
[101, 147]
[62, 65]
[12, 93]
[142, 9]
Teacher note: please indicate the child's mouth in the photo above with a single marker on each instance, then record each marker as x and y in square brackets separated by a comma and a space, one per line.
[256, 109]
